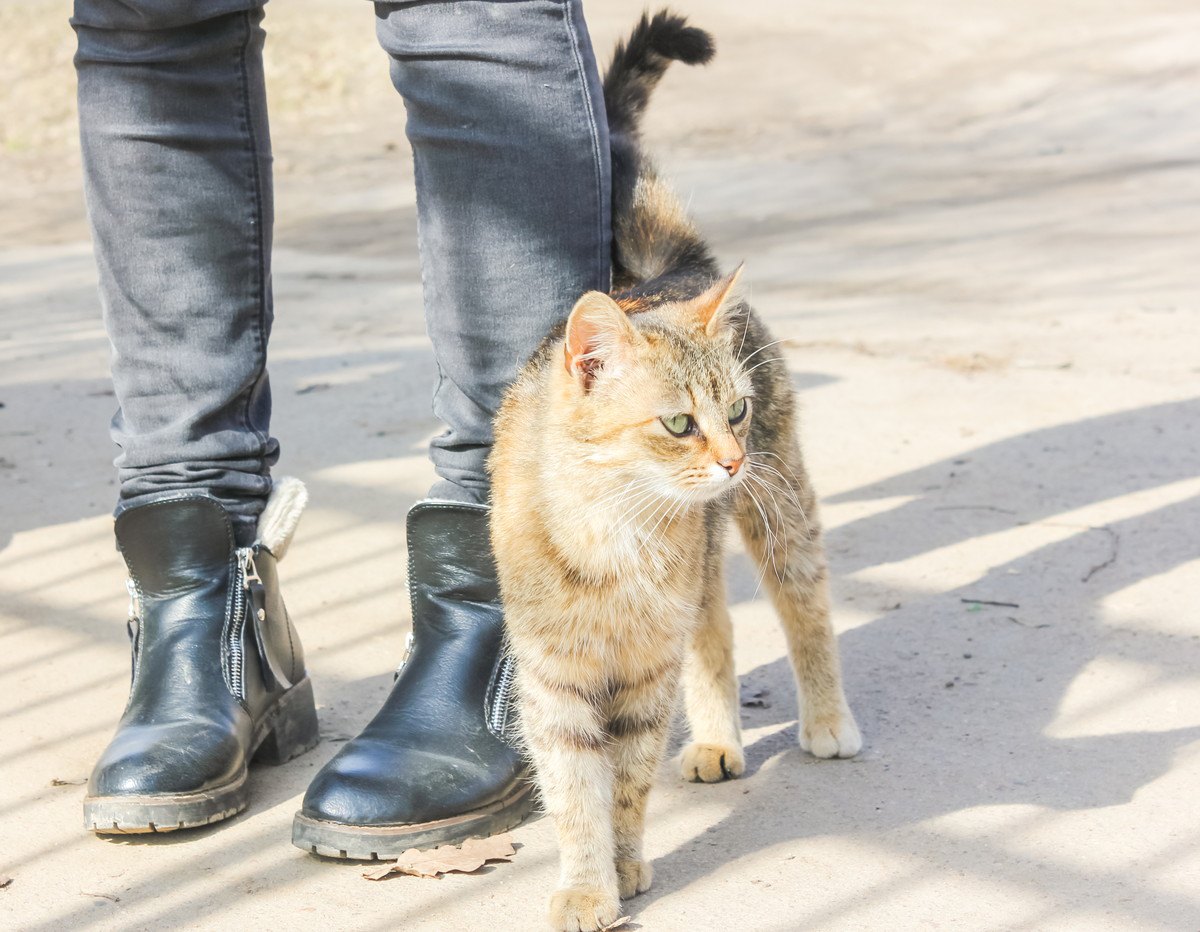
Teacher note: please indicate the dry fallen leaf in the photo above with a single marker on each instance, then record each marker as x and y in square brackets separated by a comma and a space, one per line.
[616, 924]
[474, 853]
[58, 782]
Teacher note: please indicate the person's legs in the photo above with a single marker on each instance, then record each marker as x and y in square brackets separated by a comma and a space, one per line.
[510, 146]
[510, 140]
[177, 175]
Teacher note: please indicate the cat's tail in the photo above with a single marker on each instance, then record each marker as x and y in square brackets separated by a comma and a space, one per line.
[652, 235]
[640, 62]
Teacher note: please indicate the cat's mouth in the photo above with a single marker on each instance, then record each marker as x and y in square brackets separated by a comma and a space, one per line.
[714, 486]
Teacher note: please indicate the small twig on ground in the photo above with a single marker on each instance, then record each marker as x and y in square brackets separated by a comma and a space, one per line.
[989, 602]
[1003, 511]
[1018, 621]
[106, 896]
[1114, 540]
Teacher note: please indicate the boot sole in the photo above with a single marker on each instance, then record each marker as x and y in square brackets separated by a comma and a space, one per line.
[286, 731]
[384, 842]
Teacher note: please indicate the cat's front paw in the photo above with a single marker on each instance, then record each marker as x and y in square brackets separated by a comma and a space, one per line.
[583, 909]
[634, 876]
[711, 762]
[834, 735]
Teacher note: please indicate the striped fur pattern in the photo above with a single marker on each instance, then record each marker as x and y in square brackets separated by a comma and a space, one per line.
[609, 529]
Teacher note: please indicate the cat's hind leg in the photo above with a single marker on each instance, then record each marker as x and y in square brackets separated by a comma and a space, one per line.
[710, 680]
[777, 515]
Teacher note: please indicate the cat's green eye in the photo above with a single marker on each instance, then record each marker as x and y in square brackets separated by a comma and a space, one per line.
[679, 424]
[737, 411]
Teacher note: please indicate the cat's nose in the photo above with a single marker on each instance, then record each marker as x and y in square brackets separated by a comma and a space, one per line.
[733, 465]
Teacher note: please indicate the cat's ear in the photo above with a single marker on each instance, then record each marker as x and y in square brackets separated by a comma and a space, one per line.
[599, 336]
[720, 308]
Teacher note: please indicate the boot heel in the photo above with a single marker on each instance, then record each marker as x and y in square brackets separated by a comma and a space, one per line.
[294, 729]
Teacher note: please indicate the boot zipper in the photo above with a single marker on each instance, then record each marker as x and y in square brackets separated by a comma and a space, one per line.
[133, 625]
[499, 712]
[408, 649]
[246, 574]
[135, 603]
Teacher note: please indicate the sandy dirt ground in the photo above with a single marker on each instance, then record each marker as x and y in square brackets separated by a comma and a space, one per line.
[977, 226]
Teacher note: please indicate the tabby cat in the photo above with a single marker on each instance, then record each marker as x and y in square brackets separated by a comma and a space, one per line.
[622, 450]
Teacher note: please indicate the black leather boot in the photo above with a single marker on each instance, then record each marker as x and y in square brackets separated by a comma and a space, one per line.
[218, 671]
[437, 764]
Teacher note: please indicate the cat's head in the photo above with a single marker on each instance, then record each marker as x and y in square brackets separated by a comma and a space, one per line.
[659, 396]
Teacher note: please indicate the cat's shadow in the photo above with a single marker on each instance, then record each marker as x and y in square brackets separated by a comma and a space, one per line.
[961, 704]
[802, 381]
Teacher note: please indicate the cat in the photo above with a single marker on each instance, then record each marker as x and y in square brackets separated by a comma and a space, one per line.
[638, 430]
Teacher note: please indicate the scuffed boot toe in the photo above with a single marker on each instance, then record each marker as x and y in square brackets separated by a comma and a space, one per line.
[167, 759]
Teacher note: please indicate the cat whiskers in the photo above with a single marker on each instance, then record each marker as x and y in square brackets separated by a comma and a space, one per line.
[664, 511]
[642, 493]
[669, 514]
[763, 362]
[773, 538]
[652, 502]
[769, 489]
[786, 489]
[660, 507]
[760, 349]
[762, 572]
[788, 486]
[783, 462]
[646, 497]
[658, 512]
[664, 550]
[638, 485]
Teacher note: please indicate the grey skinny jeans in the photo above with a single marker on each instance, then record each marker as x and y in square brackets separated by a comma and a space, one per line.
[510, 143]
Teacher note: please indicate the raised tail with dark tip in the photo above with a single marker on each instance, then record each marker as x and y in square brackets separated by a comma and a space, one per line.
[652, 234]
[640, 62]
